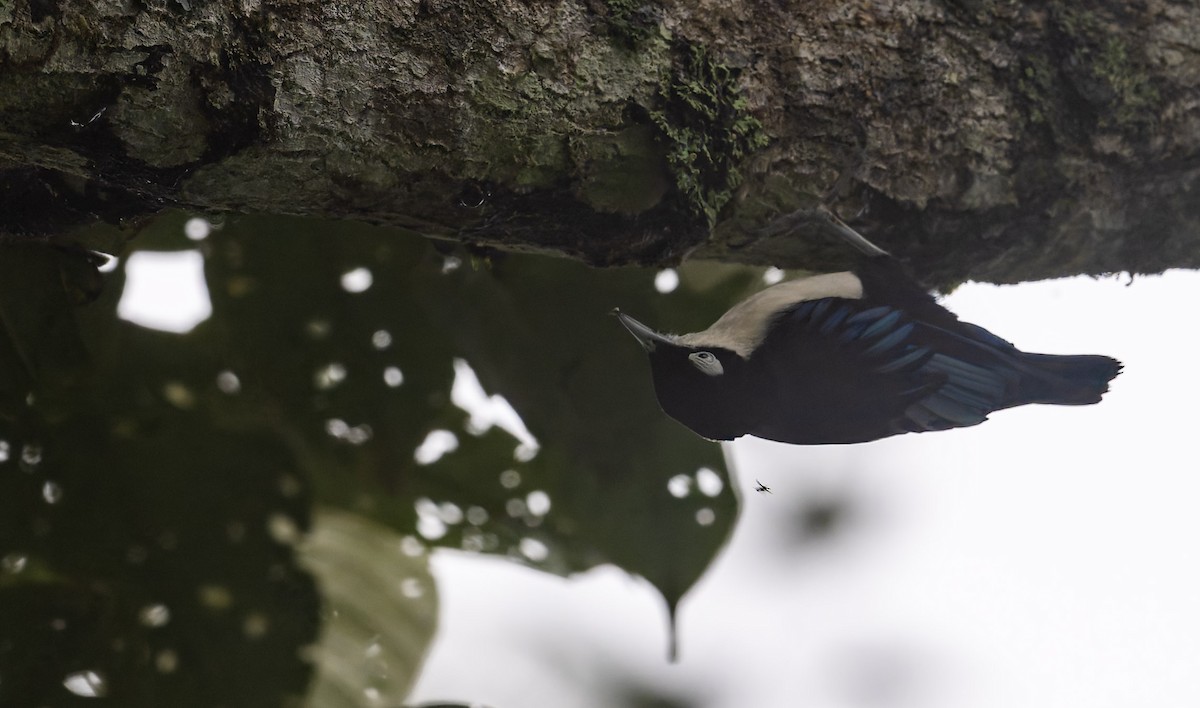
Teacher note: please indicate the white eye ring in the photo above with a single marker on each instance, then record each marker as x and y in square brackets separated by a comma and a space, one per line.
[707, 363]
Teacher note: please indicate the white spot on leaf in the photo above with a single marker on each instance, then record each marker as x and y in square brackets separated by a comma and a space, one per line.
[709, 482]
[165, 291]
[197, 229]
[357, 280]
[534, 550]
[436, 444]
[666, 281]
[679, 486]
[86, 684]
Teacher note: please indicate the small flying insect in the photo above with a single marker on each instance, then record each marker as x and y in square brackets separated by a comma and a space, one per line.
[762, 487]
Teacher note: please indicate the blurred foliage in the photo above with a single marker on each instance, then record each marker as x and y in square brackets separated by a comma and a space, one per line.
[378, 616]
[38, 317]
[144, 556]
[145, 473]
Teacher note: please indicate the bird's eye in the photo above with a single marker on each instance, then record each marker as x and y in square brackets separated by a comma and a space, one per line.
[707, 363]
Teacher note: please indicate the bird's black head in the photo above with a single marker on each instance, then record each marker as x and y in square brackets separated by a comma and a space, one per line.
[703, 387]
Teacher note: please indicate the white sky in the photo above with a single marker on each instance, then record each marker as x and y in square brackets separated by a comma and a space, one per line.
[1046, 559]
[165, 290]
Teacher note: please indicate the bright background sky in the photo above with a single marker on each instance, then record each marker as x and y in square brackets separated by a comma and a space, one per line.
[1047, 558]
[1044, 559]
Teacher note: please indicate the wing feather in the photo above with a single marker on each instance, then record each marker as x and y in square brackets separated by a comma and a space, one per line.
[883, 363]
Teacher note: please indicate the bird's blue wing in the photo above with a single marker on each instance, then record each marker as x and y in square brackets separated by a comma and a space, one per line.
[944, 380]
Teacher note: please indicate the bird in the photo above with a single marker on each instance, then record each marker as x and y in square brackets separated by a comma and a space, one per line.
[852, 357]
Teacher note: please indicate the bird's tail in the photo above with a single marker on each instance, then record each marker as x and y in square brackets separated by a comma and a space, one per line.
[1074, 380]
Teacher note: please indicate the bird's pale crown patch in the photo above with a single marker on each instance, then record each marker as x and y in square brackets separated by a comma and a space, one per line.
[744, 326]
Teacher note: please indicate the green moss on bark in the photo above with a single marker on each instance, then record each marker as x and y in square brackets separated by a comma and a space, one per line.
[1036, 84]
[631, 21]
[1107, 74]
[707, 129]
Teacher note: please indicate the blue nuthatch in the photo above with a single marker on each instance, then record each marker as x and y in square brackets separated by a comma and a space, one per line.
[851, 357]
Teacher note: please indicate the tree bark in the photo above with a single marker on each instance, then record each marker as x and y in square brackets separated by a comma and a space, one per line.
[998, 140]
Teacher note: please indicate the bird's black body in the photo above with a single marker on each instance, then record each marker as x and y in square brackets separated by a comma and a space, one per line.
[847, 369]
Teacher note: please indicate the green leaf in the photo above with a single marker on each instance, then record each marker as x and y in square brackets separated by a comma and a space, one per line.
[148, 560]
[41, 350]
[176, 471]
[536, 330]
[380, 611]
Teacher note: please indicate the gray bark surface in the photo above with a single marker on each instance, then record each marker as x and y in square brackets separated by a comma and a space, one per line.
[989, 140]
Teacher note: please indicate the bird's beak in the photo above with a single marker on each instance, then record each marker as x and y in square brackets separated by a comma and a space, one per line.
[647, 337]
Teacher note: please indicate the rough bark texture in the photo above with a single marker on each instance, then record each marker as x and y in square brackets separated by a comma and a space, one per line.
[989, 140]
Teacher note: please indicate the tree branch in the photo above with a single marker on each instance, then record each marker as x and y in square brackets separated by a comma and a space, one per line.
[982, 140]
